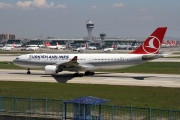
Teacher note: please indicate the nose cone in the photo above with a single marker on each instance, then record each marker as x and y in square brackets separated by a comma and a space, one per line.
[19, 62]
[15, 61]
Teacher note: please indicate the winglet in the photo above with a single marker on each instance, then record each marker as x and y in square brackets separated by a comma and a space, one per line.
[74, 59]
[153, 43]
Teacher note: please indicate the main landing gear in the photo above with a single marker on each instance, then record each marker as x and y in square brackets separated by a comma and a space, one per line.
[87, 73]
[78, 74]
[28, 71]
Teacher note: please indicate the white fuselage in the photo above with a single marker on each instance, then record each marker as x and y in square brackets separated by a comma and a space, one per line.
[108, 49]
[95, 60]
[56, 47]
[52, 47]
[31, 48]
[6, 48]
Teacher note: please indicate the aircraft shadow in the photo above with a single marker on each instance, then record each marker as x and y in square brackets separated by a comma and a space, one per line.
[63, 78]
[120, 77]
[27, 74]
[59, 77]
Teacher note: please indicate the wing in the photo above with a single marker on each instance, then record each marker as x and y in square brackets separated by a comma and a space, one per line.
[73, 65]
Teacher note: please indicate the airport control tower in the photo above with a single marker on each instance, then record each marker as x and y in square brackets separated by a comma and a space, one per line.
[90, 26]
[102, 35]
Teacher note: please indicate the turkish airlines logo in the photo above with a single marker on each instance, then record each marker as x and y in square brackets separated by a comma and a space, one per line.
[151, 45]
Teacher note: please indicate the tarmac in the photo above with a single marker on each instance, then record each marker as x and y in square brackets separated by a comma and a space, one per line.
[130, 79]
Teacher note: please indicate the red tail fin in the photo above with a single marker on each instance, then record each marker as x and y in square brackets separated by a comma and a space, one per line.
[57, 43]
[46, 43]
[153, 43]
[112, 45]
[13, 46]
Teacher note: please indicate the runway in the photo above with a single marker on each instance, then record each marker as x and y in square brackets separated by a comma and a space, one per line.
[134, 79]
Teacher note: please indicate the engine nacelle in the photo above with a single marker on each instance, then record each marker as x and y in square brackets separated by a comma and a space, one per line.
[51, 69]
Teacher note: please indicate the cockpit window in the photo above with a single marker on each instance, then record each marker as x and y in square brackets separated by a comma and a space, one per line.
[17, 58]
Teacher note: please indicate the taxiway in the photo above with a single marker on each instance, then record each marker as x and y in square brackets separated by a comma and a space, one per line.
[135, 79]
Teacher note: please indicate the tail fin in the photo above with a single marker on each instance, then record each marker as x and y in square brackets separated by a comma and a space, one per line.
[153, 43]
[46, 44]
[84, 45]
[57, 43]
[13, 46]
[112, 45]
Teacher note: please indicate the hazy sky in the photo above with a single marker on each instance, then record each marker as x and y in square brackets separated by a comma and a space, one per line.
[66, 18]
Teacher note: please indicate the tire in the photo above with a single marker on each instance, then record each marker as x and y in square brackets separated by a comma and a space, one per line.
[86, 73]
[28, 72]
[75, 75]
[81, 75]
[91, 73]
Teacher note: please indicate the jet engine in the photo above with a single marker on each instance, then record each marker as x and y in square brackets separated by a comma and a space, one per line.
[51, 69]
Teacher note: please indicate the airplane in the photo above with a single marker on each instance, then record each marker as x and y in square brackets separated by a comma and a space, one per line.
[109, 49]
[31, 48]
[8, 47]
[54, 63]
[60, 47]
[123, 46]
[173, 43]
[169, 43]
[57, 46]
[166, 44]
[48, 45]
[81, 49]
[92, 48]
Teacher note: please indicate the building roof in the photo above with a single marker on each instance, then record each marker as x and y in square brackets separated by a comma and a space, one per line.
[88, 100]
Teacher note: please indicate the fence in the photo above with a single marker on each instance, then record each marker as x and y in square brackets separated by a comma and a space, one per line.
[31, 108]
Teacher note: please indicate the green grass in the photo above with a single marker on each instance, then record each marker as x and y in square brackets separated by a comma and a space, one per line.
[149, 67]
[9, 65]
[155, 97]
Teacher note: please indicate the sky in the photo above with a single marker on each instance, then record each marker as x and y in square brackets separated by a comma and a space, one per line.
[67, 18]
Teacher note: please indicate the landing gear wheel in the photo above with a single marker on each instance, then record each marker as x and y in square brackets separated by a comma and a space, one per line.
[28, 71]
[75, 75]
[81, 75]
[91, 73]
[87, 73]
[78, 75]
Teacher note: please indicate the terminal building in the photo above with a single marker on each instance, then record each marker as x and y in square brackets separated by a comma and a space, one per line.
[99, 42]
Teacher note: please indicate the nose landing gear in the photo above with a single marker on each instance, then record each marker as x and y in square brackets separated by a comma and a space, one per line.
[28, 71]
